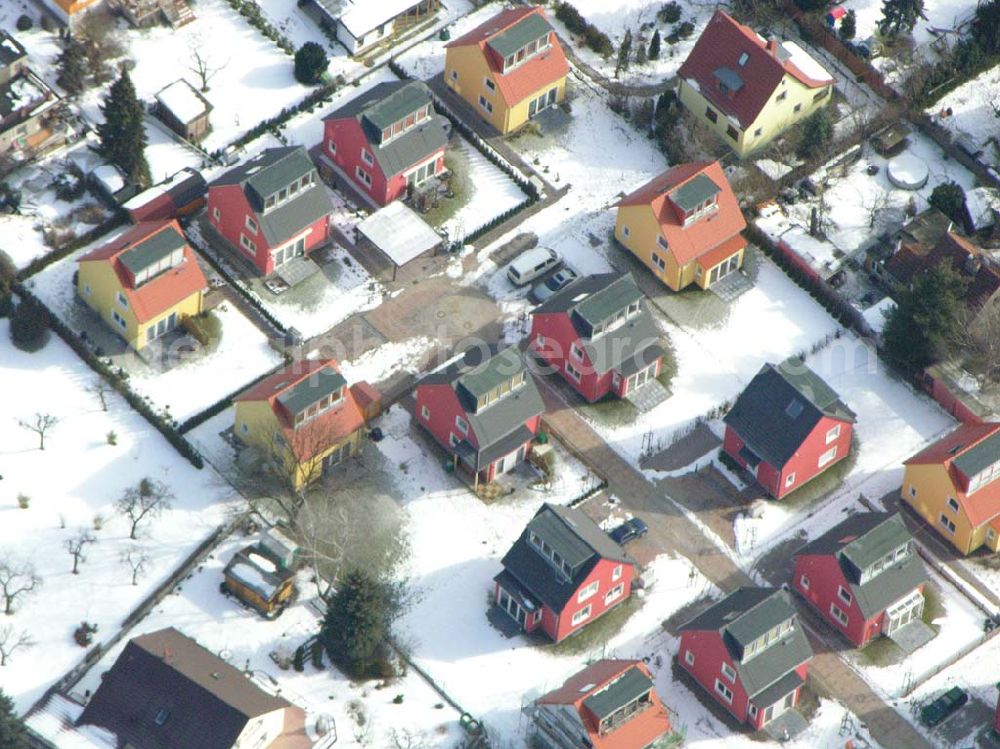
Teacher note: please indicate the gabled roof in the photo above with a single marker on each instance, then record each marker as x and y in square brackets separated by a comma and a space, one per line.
[603, 687]
[294, 388]
[389, 102]
[779, 409]
[573, 534]
[972, 263]
[508, 27]
[716, 58]
[146, 239]
[859, 541]
[690, 184]
[741, 618]
[201, 701]
[477, 372]
[590, 300]
[268, 172]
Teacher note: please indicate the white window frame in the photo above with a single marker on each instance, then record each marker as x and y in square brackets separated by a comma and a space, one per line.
[576, 352]
[216, 213]
[913, 491]
[804, 582]
[833, 434]
[828, 457]
[588, 591]
[454, 74]
[462, 425]
[953, 504]
[616, 572]
[837, 613]
[626, 232]
[659, 262]
[490, 85]
[689, 657]
[248, 244]
[661, 242]
[251, 225]
[331, 146]
[367, 156]
[581, 615]
[614, 594]
[723, 691]
[119, 320]
[844, 595]
[947, 523]
[363, 176]
[572, 371]
[453, 440]
[789, 479]
[484, 104]
[122, 300]
[425, 413]
[729, 672]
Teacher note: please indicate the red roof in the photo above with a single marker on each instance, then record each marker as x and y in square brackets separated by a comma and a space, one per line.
[524, 80]
[699, 240]
[983, 504]
[642, 729]
[153, 298]
[315, 435]
[721, 45]
[968, 258]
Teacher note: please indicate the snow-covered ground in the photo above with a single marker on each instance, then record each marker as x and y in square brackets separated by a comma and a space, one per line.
[975, 112]
[165, 155]
[72, 486]
[941, 15]
[240, 355]
[426, 59]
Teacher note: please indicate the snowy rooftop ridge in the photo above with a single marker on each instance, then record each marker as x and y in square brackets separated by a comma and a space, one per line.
[366, 15]
[805, 62]
[56, 722]
[183, 101]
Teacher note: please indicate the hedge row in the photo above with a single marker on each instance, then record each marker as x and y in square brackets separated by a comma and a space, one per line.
[162, 425]
[223, 403]
[41, 263]
[493, 223]
[593, 37]
[255, 17]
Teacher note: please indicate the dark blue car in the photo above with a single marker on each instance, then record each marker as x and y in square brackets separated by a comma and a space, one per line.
[629, 530]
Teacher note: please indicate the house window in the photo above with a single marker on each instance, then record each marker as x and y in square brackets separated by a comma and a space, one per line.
[753, 712]
[798, 108]
[248, 244]
[425, 413]
[485, 104]
[366, 156]
[948, 523]
[575, 352]
[122, 300]
[362, 175]
[582, 615]
[913, 490]
[216, 213]
[661, 241]
[833, 434]
[244, 428]
[462, 425]
[452, 439]
[573, 372]
[490, 85]
[689, 657]
[118, 319]
[711, 114]
[538, 616]
[161, 716]
[617, 572]
[731, 132]
[454, 75]
[614, 593]
[821, 95]
[839, 615]
[725, 692]
[789, 479]
[625, 232]
[782, 96]
[844, 595]
[331, 147]
[952, 504]
[827, 456]
[743, 59]
[659, 262]
[804, 582]
[587, 592]
[251, 225]
[729, 672]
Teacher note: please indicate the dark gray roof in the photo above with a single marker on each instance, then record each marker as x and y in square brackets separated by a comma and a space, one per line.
[781, 688]
[151, 250]
[979, 457]
[695, 191]
[620, 291]
[633, 346]
[481, 458]
[19, 92]
[317, 385]
[291, 217]
[629, 686]
[577, 534]
[11, 50]
[894, 583]
[207, 702]
[730, 79]
[491, 372]
[528, 29]
[386, 103]
[185, 190]
[780, 407]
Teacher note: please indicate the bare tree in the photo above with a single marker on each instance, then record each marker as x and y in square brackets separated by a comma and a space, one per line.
[406, 739]
[16, 579]
[202, 66]
[137, 560]
[979, 339]
[878, 209]
[76, 547]
[148, 499]
[10, 640]
[101, 390]
[40, 426]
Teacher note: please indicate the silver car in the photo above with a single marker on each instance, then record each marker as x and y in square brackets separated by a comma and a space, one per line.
[556, 282]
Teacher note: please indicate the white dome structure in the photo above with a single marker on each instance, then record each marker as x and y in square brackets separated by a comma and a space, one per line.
[908, 172]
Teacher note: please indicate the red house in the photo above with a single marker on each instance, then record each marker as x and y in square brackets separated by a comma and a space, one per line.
[598, 334]
[272, 208]
[484, 409]
[387, 140]
[787, 427]
[863, 576]
[611, 704]
[749, 652]
[563, 572]
[180, 195]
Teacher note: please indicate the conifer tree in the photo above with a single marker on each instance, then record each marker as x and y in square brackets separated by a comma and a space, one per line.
[654, 46]
[122, 134]
[12, 733]
[72, 66]
[900, 16]
[624, 52]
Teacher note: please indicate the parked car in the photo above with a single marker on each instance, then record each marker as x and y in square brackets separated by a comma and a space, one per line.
[556, 282]
[532, 264]
[630, 530]
[941, 708]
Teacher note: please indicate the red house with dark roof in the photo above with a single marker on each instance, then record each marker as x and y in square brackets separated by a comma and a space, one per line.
[749, 89]
[387, 140]
[598, 334]
[611, 704]
[787, 427]
[562, 573]
[863, 576]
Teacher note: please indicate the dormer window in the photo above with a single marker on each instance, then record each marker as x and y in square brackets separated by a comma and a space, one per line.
[269, 203]
[161, 716]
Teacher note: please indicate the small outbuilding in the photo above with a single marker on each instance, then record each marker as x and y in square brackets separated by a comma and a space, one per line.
[399, 234]
[892, 139]
[263, 575]
[184, 110]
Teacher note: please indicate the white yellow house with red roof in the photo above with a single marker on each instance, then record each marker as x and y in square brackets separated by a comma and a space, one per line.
[955, 486]
[509, 68]
[144, 283]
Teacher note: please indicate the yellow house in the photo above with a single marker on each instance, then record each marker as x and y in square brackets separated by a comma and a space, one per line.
[749, 89]
[305, 418]
[144, 283]
[955, 486]
[684, 225]
[509, 68]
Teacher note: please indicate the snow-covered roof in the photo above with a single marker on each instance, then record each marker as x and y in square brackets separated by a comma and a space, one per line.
[875, 315]
[983, 204]
[805, 62]
[55, 721]
[183, 101]
[399, 233]
[110, 178]
[369, 14]
[253, 578]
